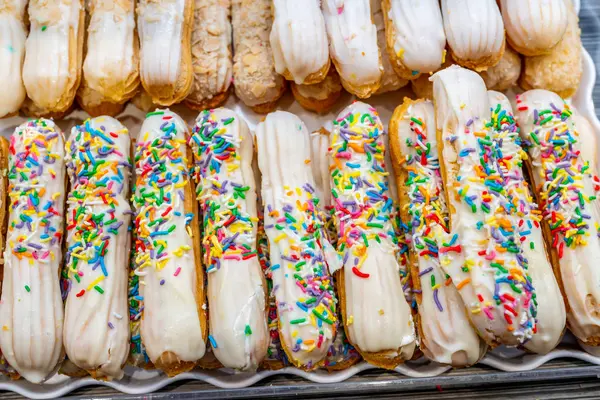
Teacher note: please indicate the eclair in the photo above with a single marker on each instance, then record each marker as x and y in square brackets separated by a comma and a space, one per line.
[167, 247]
[5, 368]
[301, 255]
[54, 53]
[299, 41]
[223, 149]
[96, 328]
[13, 34]
[475, 32]
[31, 308]
[165, 32]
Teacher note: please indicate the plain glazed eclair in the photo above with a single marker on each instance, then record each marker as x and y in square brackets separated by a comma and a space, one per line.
[165, 31]
[566, 194]
[319, 97]
[211, 54]
[353, 45]
[223, 149]
[167, 250]
[96, 329]
[299, 41]
[488, 266]
[527, 218]
[445, 333]
[505, 74]
[54, 53]
[534, 27]
[475, 32]
[377, 318]
[301, 255]
[415, 36]
[111, 65]
[31, 309]
[13, 33]
[257, 84]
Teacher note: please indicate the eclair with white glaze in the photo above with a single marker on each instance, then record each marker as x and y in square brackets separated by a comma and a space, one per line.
[527, 218]
[211, 54]
[223, 148]
[257, 84]
[13, 34]
[376, 316]
[422, 86]
[111, 65]
[320, 97]
[165, 32]
[475, 32]
[96, 329]
[299, 41]
[54, 53]
[353, 45]
[301, 255]
[566, 192]
[415, 36]
[445, 333]
[167, 250]
[488, 266]
[534, 27]
[31, 308]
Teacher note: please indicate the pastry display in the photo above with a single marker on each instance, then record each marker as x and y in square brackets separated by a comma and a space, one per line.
[299, 41]
[534, 27]
[165, 32]
[167, 246]
[211, 54]
[566, 192]
[319, 97]
[111, 64]
[445, 333]
[301, 255]
[57, 27]
[257, 84]
[31, 309]
[488, 266]
[505, 74]
[376, 316]
[353, 45]
[13, 33]
[475, 32]
[96, 327]
[223, 149]
[527, 219]
[415, 36]
[560, 70]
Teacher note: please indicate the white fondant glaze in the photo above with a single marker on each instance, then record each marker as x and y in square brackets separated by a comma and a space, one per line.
[12, 55]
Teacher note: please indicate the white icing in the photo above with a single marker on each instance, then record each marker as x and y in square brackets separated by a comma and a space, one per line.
[298, 38]
[12, 54]
[31, 309]
[418, 33]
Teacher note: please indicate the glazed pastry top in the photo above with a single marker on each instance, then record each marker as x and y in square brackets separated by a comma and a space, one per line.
[12, 53]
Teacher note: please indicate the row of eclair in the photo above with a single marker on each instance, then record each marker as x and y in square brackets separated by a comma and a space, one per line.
[465, 259]
[181, 50]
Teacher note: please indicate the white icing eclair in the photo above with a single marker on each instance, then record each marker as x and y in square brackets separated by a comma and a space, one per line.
[111, 65]
[487, 265]
[223, 149]
[475, 32]
[299, 41]
[376, 315]
[527, 219]
[12, 53]
[31, 309]
[54, 53]
[211, 54]
[415, 36]
[165, 31]
[300, 251]
[445, 333]
[534, 27]
[167, 250]
[505, 74]
[353, 45]
[566, 194]
[257, 84]
[96, 328]
[319, 97]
